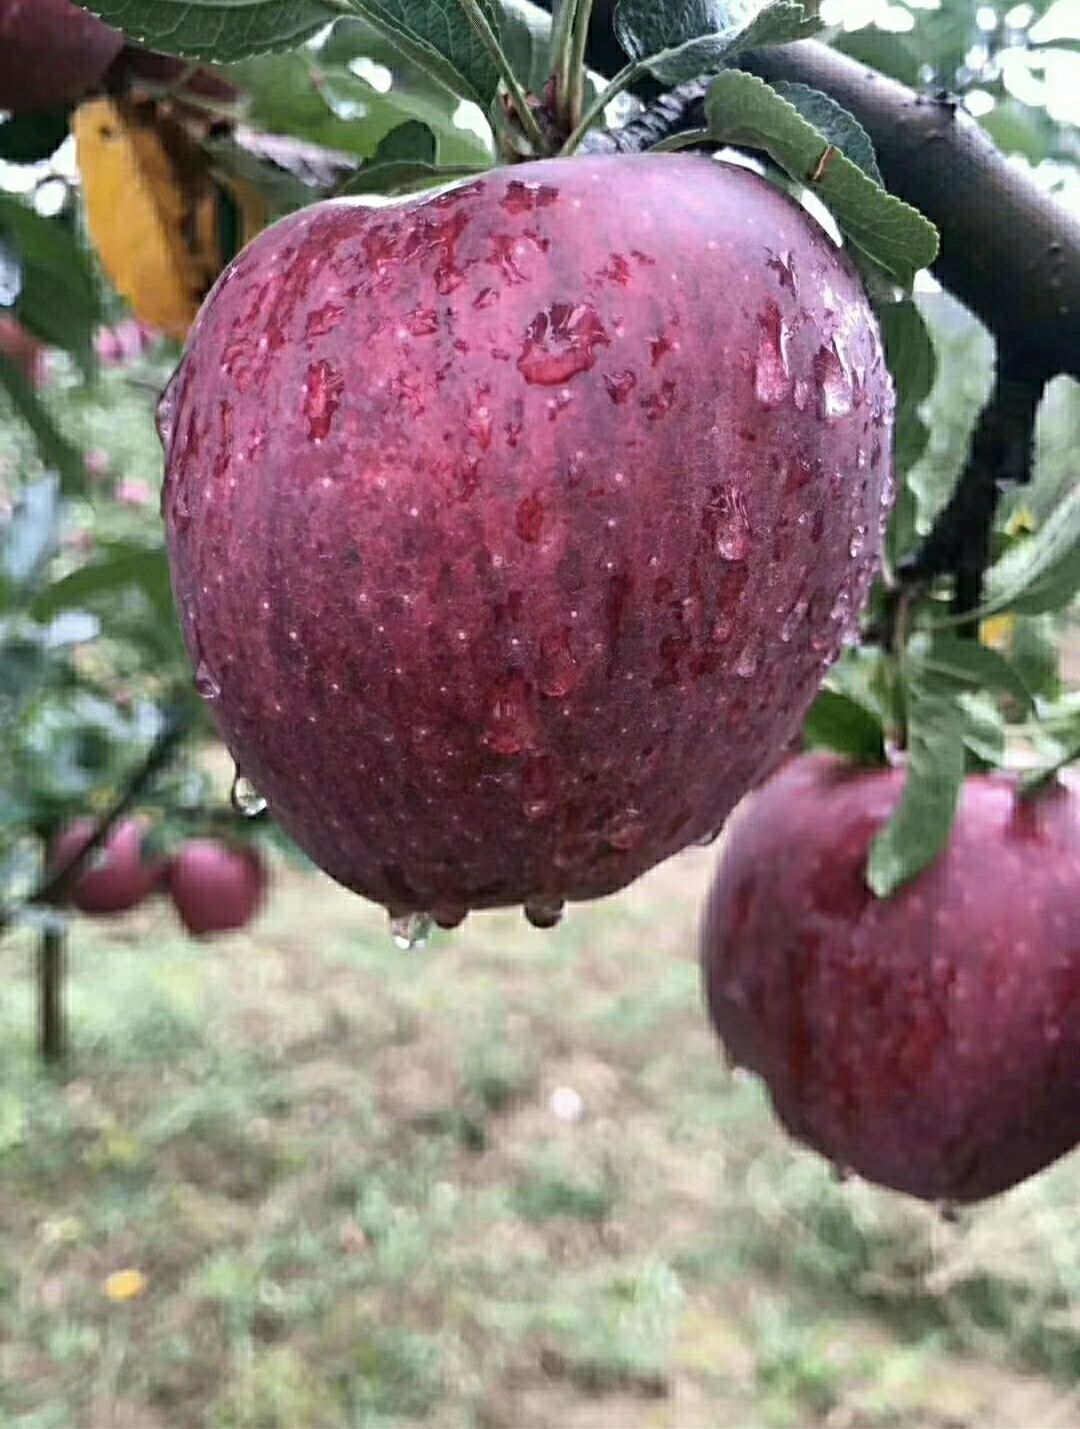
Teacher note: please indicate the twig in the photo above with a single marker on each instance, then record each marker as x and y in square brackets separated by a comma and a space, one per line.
[56, 883]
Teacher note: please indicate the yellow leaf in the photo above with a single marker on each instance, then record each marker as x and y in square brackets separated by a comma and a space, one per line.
[124, 1285]
[997, 632]
[151, 208]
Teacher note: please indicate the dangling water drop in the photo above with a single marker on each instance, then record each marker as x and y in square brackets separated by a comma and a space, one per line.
[411, 931]
[245, 798]
[545, 912]
[949, 1212]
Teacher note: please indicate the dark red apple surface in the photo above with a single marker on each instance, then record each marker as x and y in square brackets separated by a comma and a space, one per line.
[23, 349]
[929, 1041]
[51, 53]
[214, 887]
[513, 529]
[118, 877]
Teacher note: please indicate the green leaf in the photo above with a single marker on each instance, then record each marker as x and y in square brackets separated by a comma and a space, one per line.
[412, 142]
[55, 449]
[30, 138]
[909, 351]
[679, 41]
[890, 54]
[1033, 783]
[835, 122]
[436, 35]
[744, 110]
[838, 722]
[59, 300]
[29, 537]
[400, 176]
[923, 820]
[527, 42]
[216, 29]
[316, 97]
[1034, 652]
[972, 666]
[1042, 573]
[119, 565]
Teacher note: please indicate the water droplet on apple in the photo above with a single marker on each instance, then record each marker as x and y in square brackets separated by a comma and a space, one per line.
[323, 389]
[834, 382]
[626, 830]
[620, 385]
[771, 375]
[245, 798]
[165, 412]
[794, 618]
[510, 726]
[206, 683]
[560, 342]
[747, 663]
[727, 516]
[411, 931]
[449, 915]
[545, 912]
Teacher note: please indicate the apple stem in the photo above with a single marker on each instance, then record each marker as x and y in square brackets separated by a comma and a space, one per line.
[593, 112]
[487, 37]
[575, 76]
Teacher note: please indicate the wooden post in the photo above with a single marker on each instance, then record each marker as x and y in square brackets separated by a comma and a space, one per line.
[52, 974]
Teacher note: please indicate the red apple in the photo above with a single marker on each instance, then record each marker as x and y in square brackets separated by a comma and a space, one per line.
[931, 1040]
[215, 888]
[118, 877]
[51, 53]
[23, 349]
[512, 529]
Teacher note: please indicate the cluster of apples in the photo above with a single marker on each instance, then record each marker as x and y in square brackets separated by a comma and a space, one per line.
[215, 887]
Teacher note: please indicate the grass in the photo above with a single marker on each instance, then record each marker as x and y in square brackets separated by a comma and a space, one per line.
[506, 1182]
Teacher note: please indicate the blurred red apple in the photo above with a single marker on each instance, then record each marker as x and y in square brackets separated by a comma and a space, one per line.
[51, 53]
[931, 1040]
[118, 877]
[512, 529]
[215, 887]
[23, 349]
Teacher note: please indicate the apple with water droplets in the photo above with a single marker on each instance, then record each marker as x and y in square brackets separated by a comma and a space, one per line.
[512, 529]
[118, 876]
[51, 53]
[930, 1040]
[215, 887]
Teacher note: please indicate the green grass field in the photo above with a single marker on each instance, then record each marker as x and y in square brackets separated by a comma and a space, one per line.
[507, 1182]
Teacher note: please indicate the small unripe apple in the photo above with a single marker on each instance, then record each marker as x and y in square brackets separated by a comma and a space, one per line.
[930, 1040]
[512, 529]
[215, 887]
[117, 877]
[51, 53]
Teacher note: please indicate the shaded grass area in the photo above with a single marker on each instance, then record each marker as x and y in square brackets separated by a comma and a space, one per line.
[506, 1182]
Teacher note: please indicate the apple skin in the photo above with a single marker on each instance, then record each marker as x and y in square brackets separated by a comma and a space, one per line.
[122, 880]
[215, 887]
[929, 1041]
[23, 349]
[513, 529]
[51, 53]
